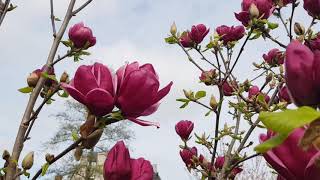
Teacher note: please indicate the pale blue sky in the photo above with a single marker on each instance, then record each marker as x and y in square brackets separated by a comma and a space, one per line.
[126, 30]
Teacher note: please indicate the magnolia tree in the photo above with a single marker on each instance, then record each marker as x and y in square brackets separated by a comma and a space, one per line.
[289, 72]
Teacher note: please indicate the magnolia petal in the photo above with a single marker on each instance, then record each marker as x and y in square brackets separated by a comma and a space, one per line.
[84, 80]
[77, 95]
[143, 122]
[312, 172]
[100, 102]
[104, 77]
[163, 92]
[150, 110]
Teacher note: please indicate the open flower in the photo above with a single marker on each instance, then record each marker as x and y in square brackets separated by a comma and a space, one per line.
[95, 87]
[265, 8]
[81, 36]
[138, 92]
[302, 74]
[198, 33]
[274, 57]
[185, 40]
[290, 161]
[228, 34]
[187, 155]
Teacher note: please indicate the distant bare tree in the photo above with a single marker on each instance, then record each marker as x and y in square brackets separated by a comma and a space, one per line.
[70, 121]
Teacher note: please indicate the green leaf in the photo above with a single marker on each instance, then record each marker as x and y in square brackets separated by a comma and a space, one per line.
[284, 123]
[208, 113]
[184, 105]
[256, 36]
[26, 174]
[26, 89]
[52, 77]
[67, 43]
[57, 19]
[75, 136]
[183, 100]
[200, 94]
[44, 169]
[170, 40]
[272, 25]
[270, 143]
[64, 94]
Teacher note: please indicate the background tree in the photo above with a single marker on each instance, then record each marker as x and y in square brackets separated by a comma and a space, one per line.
[70, 120]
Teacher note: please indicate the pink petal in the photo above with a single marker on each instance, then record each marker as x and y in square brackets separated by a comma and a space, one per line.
[77, 95]
[312, 172]
[150, 110]
[149, 67]
[100, 102]
[143, 122]
[104, 77]
[84, 80]
[163, 92]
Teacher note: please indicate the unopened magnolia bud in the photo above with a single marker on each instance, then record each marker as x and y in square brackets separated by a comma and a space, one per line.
[49, 157]
[58, 177]
[78, 153]
[254, 11]
[27, 161]
[188, 94]
[299, 29]
[281, 69]
[64, 77]
[213, 103]
[173, 28]
[246, 85]
[269, 77]
[33, 79]
[5, 155]
[92, 139]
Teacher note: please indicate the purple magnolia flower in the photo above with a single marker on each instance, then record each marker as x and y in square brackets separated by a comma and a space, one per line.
[187, 154]
[141, 169]
[95, 87]
[117, 166]
[312, 7]
[185, 40]
[184, 129]
[274, 57]
[302, 74]
[289, 160]
[81, 36]
[265, 8]
[284, 95]
[314, 44]
[198, 32]
[253, 91]
[229, 34]
[227, 89]
[138, 92]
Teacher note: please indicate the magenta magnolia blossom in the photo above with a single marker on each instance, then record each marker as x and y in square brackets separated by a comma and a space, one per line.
[208, 76]
[265, 8]
[284, 95]
[314, 44]
[290, 161]
[184, 129]
[302, 74]
[81, 36]
[229, 34]
[187, 154]
[227, 89]
[119, 165]
[274, 57]
[253, 91]
[198, 32]
[185, 40]
[138, 92]
[312, 7]
[95, 87]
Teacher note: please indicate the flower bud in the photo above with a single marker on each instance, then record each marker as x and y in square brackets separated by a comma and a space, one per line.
[246, 85]
[184, 129]
[227, 89]
[49, 157]
[27, 161]
[299, 29]
[33, 79]
[58, 177]
[64, 77]
[5, 155]
[78, 153]
[213, 103]
[188, 94]
[92, 139]
[254, 90]
[269, 77]
[187, 155]
[173, 29]
[254, 11]
[207, 77]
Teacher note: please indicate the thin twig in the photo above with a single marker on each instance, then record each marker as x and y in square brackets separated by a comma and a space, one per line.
[190, 58]
[5, 10]
[274, 40]
[61, 58]
[205, 59]
[81, 7]
[52, 17]
[242, 160]
[283, 22]
[291, 18]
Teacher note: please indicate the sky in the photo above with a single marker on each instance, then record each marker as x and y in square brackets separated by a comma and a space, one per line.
[126, 31]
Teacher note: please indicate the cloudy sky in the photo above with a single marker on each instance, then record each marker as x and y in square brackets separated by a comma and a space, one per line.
[126, 31]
